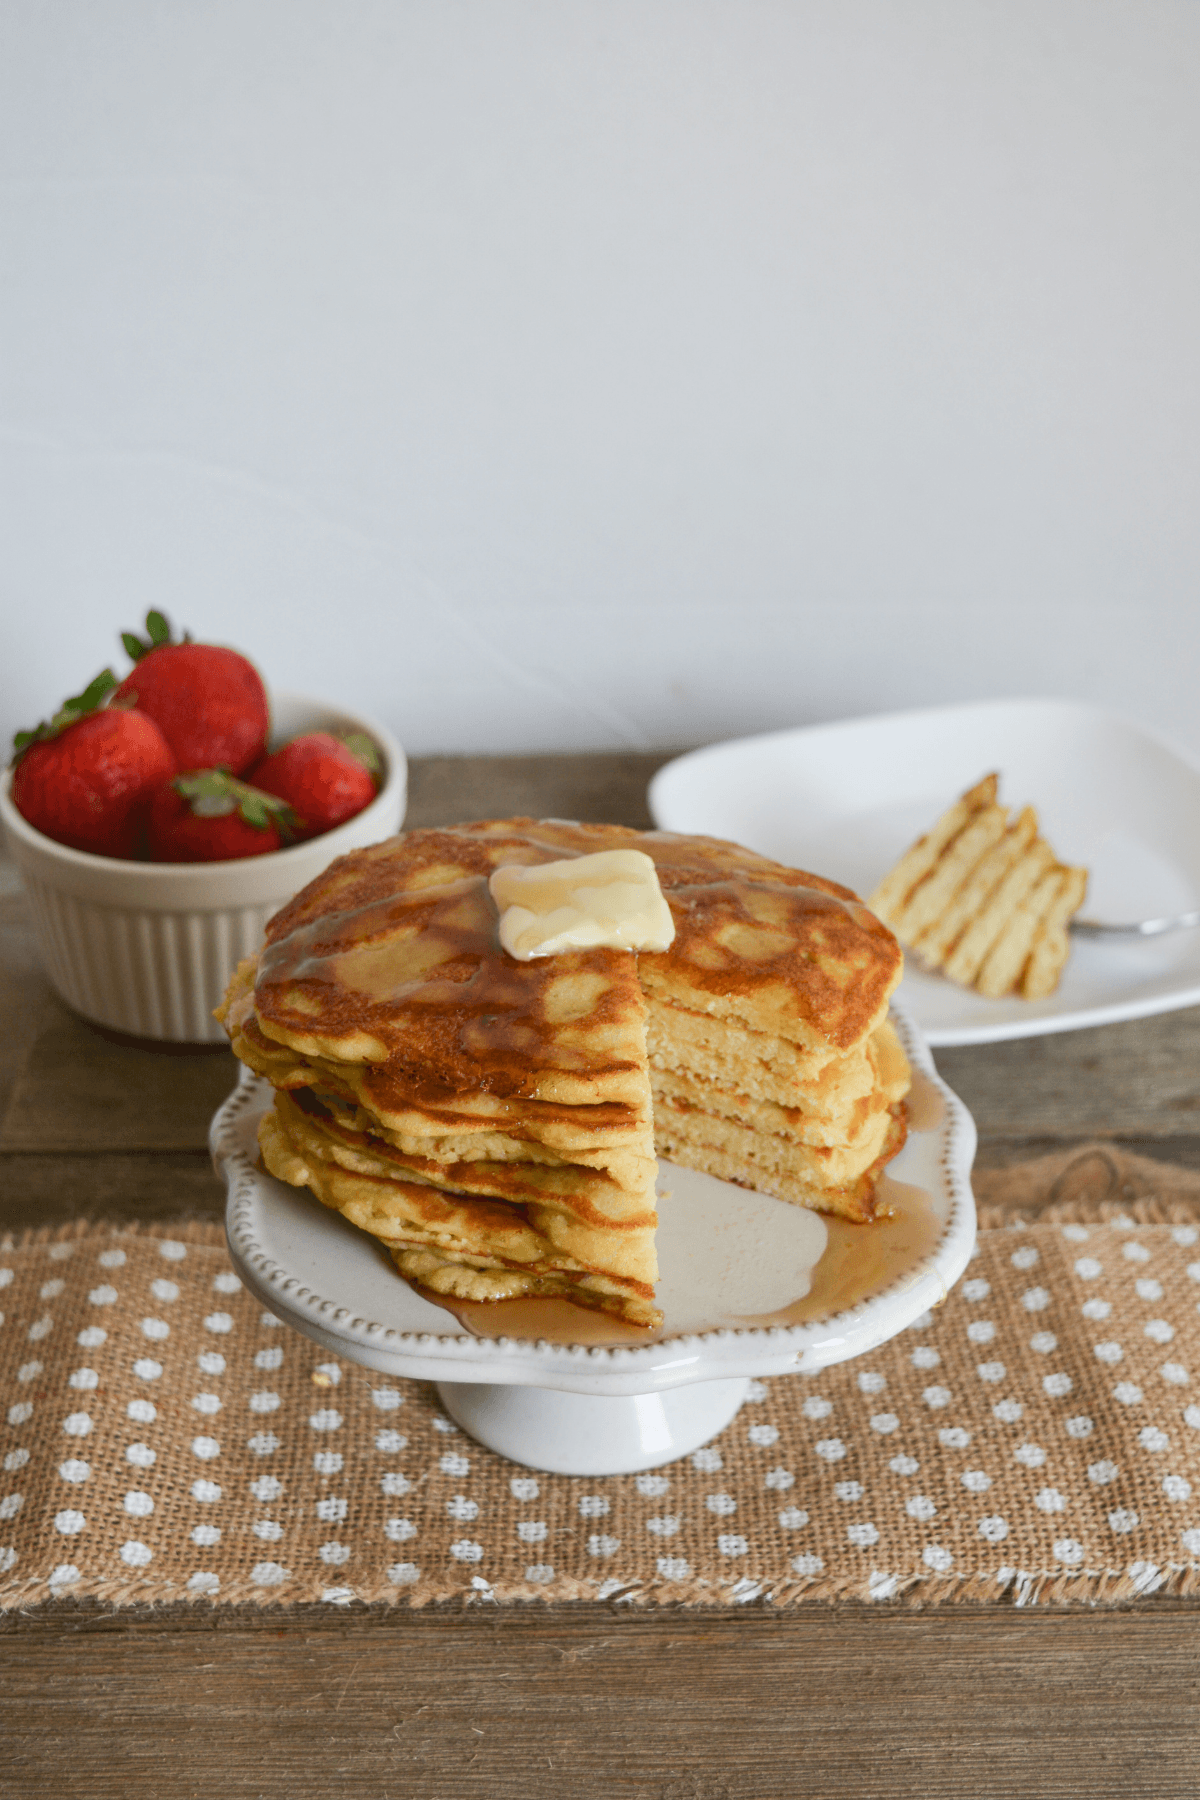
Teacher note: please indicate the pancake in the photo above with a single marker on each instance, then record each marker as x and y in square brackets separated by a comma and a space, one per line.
[983, 900]
[510, 1220]
[495, 1123]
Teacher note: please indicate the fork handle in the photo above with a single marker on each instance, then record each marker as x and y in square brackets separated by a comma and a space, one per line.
[1095, 928]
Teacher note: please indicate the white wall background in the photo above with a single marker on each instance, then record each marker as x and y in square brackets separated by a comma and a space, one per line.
[607, 373]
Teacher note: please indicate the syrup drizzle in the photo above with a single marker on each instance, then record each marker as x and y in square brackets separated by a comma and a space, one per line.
[397, 948]
[859, 1262]
[926, 1103]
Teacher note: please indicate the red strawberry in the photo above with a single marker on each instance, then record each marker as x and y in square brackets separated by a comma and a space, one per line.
[210, 816]
[208, 702]
[325, 780]
[85, 777]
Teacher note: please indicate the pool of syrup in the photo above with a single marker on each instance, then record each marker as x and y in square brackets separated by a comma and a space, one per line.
[859, 1262]
[544, 1318]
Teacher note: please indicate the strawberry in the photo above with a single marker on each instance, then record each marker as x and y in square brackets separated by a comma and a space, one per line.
[85, 776]
[325, 780]
[210, 816]
[208, 702]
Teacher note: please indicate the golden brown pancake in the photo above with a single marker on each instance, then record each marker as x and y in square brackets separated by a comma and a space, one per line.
[493, 1121]
[984, 901]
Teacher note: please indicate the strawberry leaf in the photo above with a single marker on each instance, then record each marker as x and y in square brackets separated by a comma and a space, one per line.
[89, 701]
[362, 748]
[215, 793]
[158, 633]
[210, 793]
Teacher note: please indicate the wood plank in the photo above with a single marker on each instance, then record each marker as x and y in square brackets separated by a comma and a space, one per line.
[80, 1090]
[132, 1187]
[1139, 1079]
[1006, 1153]
[25, 994]
[601, 786]
[564, 1703]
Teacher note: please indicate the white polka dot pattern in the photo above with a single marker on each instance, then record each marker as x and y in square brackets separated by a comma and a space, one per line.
[1045, 1419]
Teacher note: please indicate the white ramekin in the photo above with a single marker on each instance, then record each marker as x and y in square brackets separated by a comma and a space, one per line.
[147, 948]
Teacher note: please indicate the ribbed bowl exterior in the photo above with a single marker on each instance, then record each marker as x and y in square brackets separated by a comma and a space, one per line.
[148, 948]
[151, 973]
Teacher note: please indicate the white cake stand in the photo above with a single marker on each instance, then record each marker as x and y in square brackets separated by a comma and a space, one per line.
[727, 1257]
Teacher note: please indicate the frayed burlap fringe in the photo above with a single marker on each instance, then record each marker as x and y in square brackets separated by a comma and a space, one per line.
[196, 1231]
[1016, 1587]
[1088, 1183]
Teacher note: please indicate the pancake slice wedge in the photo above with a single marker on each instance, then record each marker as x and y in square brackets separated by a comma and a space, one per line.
[990, 903]
[891, 896]
[1051, 944]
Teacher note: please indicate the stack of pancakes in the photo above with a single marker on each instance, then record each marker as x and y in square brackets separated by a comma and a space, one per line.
[495, 1123]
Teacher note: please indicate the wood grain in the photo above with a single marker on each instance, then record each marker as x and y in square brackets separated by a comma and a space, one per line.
[81, 1091]
[25, 994]
[134, 1186]
[567, 1703]
[604, 786]
[1139, 1079]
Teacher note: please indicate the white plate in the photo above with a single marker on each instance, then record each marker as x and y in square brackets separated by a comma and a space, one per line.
[335, 1284]
[845, 800]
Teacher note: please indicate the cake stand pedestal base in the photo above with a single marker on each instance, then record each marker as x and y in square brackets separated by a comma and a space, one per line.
[592, 1434]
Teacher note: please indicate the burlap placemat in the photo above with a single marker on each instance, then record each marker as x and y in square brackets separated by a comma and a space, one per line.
[167, 1439]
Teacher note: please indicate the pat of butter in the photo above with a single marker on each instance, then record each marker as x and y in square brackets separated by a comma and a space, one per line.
[611, 898]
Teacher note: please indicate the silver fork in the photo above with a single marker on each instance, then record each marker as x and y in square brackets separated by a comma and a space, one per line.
[1096, 928]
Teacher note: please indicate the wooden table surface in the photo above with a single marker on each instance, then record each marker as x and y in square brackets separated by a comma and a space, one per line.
[568, 1701]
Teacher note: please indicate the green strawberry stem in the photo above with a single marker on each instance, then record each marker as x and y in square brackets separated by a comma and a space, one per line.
[362, 748]
[215, 793]
[91, 699]
[158, 633]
